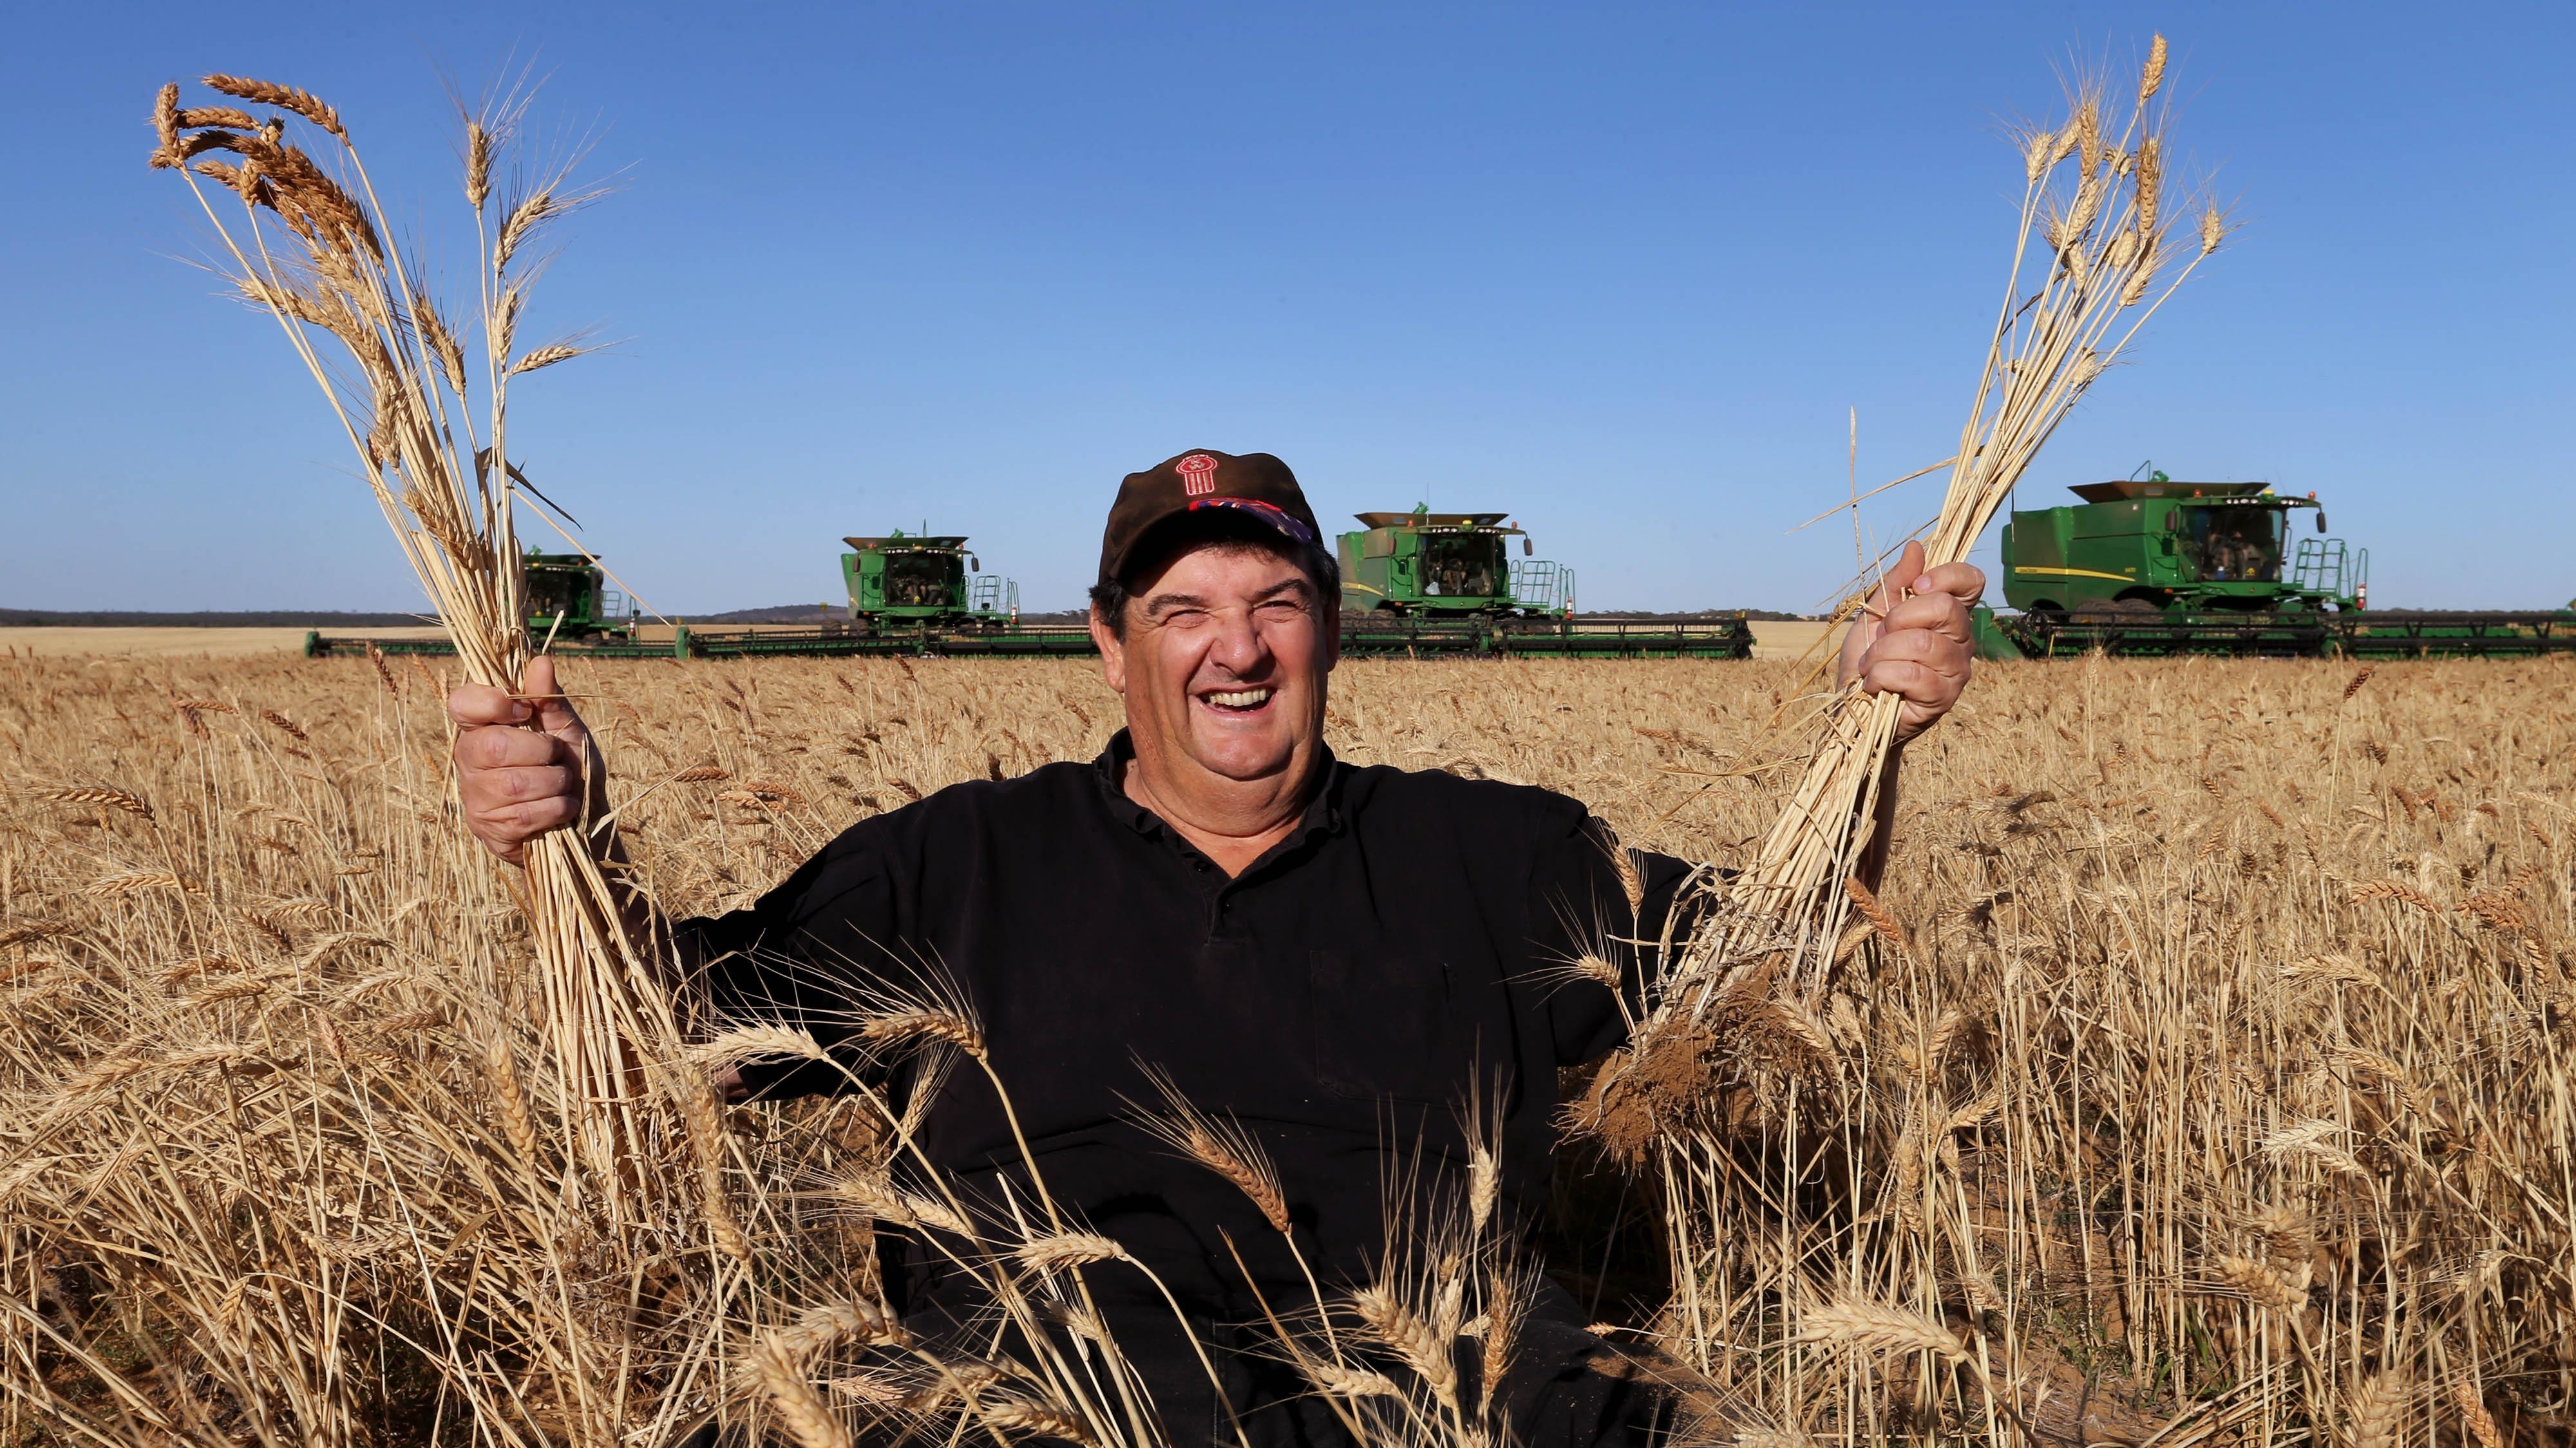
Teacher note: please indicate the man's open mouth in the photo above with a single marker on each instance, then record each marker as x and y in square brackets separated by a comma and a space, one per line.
[1238, 701]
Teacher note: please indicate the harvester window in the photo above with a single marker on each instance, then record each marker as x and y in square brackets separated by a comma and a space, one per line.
[919, 580]
[1463, 566]
[2236, 545]
[554, 591]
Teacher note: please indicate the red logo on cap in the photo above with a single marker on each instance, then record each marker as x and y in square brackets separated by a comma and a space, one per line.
[1198, 474]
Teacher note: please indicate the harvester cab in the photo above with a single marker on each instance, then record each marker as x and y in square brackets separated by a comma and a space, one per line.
[923, 580]
[1447, 564]
[2157, 545]
[569, 598]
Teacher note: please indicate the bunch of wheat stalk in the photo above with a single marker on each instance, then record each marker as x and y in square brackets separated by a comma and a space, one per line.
[1734, 1027]
[2110, 252]
[306, 239]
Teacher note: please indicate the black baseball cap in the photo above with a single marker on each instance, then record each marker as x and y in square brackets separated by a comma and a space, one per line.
[1204, 483]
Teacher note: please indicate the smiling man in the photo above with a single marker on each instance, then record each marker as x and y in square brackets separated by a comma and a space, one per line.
[1338, 957]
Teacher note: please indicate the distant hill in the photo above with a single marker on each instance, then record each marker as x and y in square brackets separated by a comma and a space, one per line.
[239, 618]
[781, 613]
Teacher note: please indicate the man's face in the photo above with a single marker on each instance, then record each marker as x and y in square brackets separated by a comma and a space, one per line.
[1223, 666]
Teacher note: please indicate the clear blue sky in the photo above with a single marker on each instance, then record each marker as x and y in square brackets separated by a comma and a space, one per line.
[1617, 269]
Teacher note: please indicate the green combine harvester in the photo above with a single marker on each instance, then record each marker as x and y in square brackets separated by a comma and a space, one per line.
[916, 594]
[1425, 583]
[569, 600]
[570, 606]
[2151, 566]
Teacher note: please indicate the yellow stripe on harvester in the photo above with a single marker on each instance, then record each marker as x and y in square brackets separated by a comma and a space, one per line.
[2075, 573]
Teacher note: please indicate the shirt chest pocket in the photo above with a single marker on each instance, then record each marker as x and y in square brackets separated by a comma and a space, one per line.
[1387, 1028]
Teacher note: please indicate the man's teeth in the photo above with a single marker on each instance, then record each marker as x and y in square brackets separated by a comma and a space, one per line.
[1243, 699]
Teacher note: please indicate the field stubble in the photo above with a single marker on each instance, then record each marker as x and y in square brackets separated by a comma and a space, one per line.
[2210, 1053]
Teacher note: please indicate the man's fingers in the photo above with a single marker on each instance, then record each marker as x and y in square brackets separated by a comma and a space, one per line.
[1909, 567]
[474, 706]
[499, 748]
[1963, 581]
[532, 817]
[523, 782]
[504, 828]
[1919, 646]
[555, 713]
[1939, 613]
[1921, 685]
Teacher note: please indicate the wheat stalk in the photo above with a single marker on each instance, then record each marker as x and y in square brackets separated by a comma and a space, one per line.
[1878, 1328]
[1064, 1251]
[778, 1367]
[1223, 1146]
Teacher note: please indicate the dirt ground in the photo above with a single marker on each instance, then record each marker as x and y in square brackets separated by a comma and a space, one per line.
[169, 643]
[1790, 638]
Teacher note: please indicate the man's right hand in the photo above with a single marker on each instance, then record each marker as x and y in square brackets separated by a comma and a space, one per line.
[517, 782]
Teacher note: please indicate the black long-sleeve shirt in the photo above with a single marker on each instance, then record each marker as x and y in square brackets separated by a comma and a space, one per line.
[1407, 944]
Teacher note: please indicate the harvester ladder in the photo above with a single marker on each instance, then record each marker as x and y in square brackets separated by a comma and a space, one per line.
[2325, 565]
[1539, 586]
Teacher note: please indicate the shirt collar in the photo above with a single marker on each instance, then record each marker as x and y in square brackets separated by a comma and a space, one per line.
[1323, 814]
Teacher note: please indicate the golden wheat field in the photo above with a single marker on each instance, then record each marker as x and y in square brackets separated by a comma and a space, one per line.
[2207, 1080]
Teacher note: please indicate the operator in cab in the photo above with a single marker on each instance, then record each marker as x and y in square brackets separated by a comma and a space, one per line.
[1338, 957]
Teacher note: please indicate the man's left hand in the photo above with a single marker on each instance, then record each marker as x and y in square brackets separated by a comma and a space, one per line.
[1918, 646]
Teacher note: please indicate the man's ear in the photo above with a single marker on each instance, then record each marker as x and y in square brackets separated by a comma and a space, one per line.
[1113, 651]
[1332, 615]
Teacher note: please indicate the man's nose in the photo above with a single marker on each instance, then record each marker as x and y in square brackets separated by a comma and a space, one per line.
[1239, 645]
